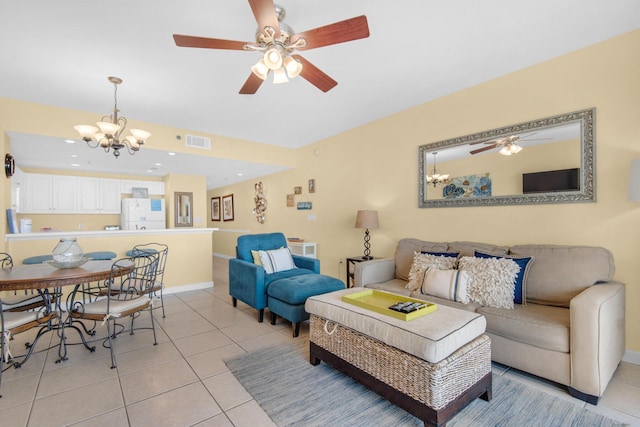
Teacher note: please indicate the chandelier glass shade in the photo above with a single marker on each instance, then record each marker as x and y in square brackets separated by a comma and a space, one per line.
[108, 133]
[436, 177]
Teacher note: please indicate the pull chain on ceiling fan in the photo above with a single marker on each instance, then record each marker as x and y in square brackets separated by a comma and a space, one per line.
[278, 42]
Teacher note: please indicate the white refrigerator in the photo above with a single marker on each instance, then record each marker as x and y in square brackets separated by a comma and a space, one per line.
[142, 214]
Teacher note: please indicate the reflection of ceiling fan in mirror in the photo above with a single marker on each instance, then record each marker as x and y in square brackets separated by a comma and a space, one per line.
[509, 144]
[277, 42]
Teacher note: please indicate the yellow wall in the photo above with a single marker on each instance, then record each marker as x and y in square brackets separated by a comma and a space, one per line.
[375, 167]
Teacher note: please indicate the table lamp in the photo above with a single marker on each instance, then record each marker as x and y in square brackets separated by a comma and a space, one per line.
[367, 219]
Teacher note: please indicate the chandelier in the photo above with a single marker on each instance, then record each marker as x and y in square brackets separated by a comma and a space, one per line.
[277, 51]
[436, 178]
[107, 134]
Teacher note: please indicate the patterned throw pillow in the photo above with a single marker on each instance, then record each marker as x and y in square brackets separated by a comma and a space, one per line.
[276, 260]
[422, 262]
[448, 284]
[491, 280]
[520, 292]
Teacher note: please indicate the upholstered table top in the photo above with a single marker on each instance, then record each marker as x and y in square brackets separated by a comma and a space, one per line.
[431, 337]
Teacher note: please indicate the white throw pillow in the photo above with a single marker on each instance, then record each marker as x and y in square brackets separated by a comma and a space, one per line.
[491, 280]
[422, 262]
[276, 260]
[448, 284]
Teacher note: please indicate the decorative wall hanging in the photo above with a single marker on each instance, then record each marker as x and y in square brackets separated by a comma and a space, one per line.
[290, 200]
[297, 190]
[215, 209]
[304, 206]
[312, 186]
[261, 203]
[227, 207]
[468, 186]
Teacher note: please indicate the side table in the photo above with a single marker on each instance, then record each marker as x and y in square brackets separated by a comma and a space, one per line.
[351, 268]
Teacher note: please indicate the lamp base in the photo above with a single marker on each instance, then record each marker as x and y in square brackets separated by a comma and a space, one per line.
[367, 257]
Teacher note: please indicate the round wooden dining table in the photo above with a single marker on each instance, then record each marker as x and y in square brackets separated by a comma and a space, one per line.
[44, 277]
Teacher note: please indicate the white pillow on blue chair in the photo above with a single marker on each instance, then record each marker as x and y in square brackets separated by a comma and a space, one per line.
[277, 260]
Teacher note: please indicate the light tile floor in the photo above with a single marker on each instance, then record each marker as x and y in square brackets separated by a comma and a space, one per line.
[183, 381]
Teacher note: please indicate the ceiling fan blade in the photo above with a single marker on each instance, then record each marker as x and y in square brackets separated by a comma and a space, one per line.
[251, 85]
[338, 32]
[480, 150]
[192, 41]
[265, 13]
[315, 75]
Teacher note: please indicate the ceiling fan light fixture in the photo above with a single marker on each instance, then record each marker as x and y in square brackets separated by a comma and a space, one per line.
[293, 67]
[273, 57]
[260, 69]
[280, 76]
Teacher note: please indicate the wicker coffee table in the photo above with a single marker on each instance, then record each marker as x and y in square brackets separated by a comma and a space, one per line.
[432, 366]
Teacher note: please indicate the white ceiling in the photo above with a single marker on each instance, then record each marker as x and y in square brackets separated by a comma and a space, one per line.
[60, 53]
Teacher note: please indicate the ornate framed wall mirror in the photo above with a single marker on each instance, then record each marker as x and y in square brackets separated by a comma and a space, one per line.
[184, 209]
[549, 160]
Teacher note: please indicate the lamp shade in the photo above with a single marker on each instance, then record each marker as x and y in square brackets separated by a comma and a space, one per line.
[367, 219]
[634, 181]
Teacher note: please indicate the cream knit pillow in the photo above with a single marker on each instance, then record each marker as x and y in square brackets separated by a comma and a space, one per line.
[422, 262]
[491, 280]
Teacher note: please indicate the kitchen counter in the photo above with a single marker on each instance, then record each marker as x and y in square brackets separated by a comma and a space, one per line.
[103, 233]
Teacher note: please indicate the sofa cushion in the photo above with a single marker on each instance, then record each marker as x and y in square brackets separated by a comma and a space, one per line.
[395, 286]
[423, 262]
[559, 273]
[448, 284]
[404, 254]
[276, 260]
[491, 280]
[468, 248]
[519, 294]
[539, 325]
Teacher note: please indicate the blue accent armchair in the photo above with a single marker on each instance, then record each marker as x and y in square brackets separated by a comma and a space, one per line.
[248, 282]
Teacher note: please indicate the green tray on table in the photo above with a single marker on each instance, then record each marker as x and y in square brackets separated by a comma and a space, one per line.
[380, 301]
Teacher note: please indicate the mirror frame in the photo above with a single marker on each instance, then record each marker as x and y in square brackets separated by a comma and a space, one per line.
[178, 195]
[587, 192]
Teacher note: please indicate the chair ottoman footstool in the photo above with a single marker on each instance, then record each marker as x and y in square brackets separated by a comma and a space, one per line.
[286, 297]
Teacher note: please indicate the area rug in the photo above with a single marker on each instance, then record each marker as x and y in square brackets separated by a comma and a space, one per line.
[295, 393]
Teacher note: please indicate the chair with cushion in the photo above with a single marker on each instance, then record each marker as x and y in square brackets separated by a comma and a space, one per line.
[162, 251]
[266, 274]
[127, 293]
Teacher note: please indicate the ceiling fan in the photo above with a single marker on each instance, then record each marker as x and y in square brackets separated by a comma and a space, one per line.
[509, 144]
[278, 42]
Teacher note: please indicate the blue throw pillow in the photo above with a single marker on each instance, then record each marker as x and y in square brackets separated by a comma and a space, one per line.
[520, 294]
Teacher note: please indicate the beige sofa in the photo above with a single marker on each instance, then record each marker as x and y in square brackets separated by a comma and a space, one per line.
[571, 328]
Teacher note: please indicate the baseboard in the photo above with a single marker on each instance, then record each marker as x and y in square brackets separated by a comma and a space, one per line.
[187, 288]
[216, 254]
[631, 357]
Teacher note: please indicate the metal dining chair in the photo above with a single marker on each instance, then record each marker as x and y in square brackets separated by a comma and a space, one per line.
[28, 299]
[127, 293]
[162, 251]
[16, 318]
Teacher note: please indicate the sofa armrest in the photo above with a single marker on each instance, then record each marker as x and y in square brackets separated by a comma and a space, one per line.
[374, 271]
[597, 336]
[312, 264]
[246, 283]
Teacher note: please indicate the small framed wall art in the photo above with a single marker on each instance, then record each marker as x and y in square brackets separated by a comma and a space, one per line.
[297, 190]
[312, 186]
[290, 200]
[215, 209]
[227, 207]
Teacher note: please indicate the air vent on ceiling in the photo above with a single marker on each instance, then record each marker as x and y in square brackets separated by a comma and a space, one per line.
[198, 142]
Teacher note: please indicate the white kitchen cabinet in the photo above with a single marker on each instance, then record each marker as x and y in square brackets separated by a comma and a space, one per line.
[156, 188]
[42, 193]
[99, 196]
[127, 184]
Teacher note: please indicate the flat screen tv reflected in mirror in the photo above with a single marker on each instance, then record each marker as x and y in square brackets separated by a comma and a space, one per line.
[551, 181]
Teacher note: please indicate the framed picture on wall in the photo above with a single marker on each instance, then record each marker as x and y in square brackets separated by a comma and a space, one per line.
[312, 186]
[215, 209]
[227, 207]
